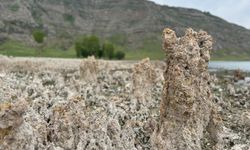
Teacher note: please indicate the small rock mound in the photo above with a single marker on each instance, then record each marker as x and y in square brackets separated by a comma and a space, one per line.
[89, 69]
[144, 78]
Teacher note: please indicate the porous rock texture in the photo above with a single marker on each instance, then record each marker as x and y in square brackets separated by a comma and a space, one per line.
[53, 104]
[89, 69]
[187, 110]
[144, 78]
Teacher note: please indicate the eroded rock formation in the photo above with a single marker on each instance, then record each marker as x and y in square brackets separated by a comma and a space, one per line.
[89, 69]
[11, 118]
[74, 105]
[144, 78]
[187, 109]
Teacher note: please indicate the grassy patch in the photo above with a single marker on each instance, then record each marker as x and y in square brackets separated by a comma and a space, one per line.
[118, 39]
[14, 48]
[140, 54]
[149, 49]
[230, 55]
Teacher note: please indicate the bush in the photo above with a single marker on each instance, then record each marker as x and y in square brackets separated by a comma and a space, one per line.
[14, 7]
[69, 18]
[93, 45]
[100, 53]
[119, 55]
[38, 36]
[88, 46]
[108, 50]
[78, 48]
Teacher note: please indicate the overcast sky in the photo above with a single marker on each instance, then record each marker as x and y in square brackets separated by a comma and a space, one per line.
[236, 11]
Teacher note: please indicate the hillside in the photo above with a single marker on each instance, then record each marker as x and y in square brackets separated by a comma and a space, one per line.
[130, 24]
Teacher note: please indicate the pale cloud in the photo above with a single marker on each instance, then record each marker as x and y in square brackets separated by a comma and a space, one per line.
[233, 11]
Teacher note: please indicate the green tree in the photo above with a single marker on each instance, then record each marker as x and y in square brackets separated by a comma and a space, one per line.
[78, 48]
[88, 46]
[38, 36]
[119, 55]
[69, 18]
[100, 53]
[108, 50]
[85, 50]
[14, 7]
[93, 45]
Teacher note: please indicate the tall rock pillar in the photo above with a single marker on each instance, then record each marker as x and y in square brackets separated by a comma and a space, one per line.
[186, 105]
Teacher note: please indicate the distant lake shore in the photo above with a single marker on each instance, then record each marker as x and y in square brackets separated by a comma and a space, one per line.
[230, 65]
[213, 65]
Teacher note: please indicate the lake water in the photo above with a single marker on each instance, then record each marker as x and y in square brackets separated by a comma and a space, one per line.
[230, 65]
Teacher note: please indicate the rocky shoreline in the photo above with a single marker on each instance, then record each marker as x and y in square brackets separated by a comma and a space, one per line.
[52, 104]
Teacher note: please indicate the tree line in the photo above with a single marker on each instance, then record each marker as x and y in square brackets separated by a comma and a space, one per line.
[87, 46]
[91, 46]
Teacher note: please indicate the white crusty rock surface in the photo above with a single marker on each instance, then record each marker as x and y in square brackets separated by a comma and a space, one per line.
[48, 104]
[73, 104]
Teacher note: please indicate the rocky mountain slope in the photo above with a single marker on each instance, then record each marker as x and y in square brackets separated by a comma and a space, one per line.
[129, 23]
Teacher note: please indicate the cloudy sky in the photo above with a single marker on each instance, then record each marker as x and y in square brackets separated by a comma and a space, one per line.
[236, 11]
